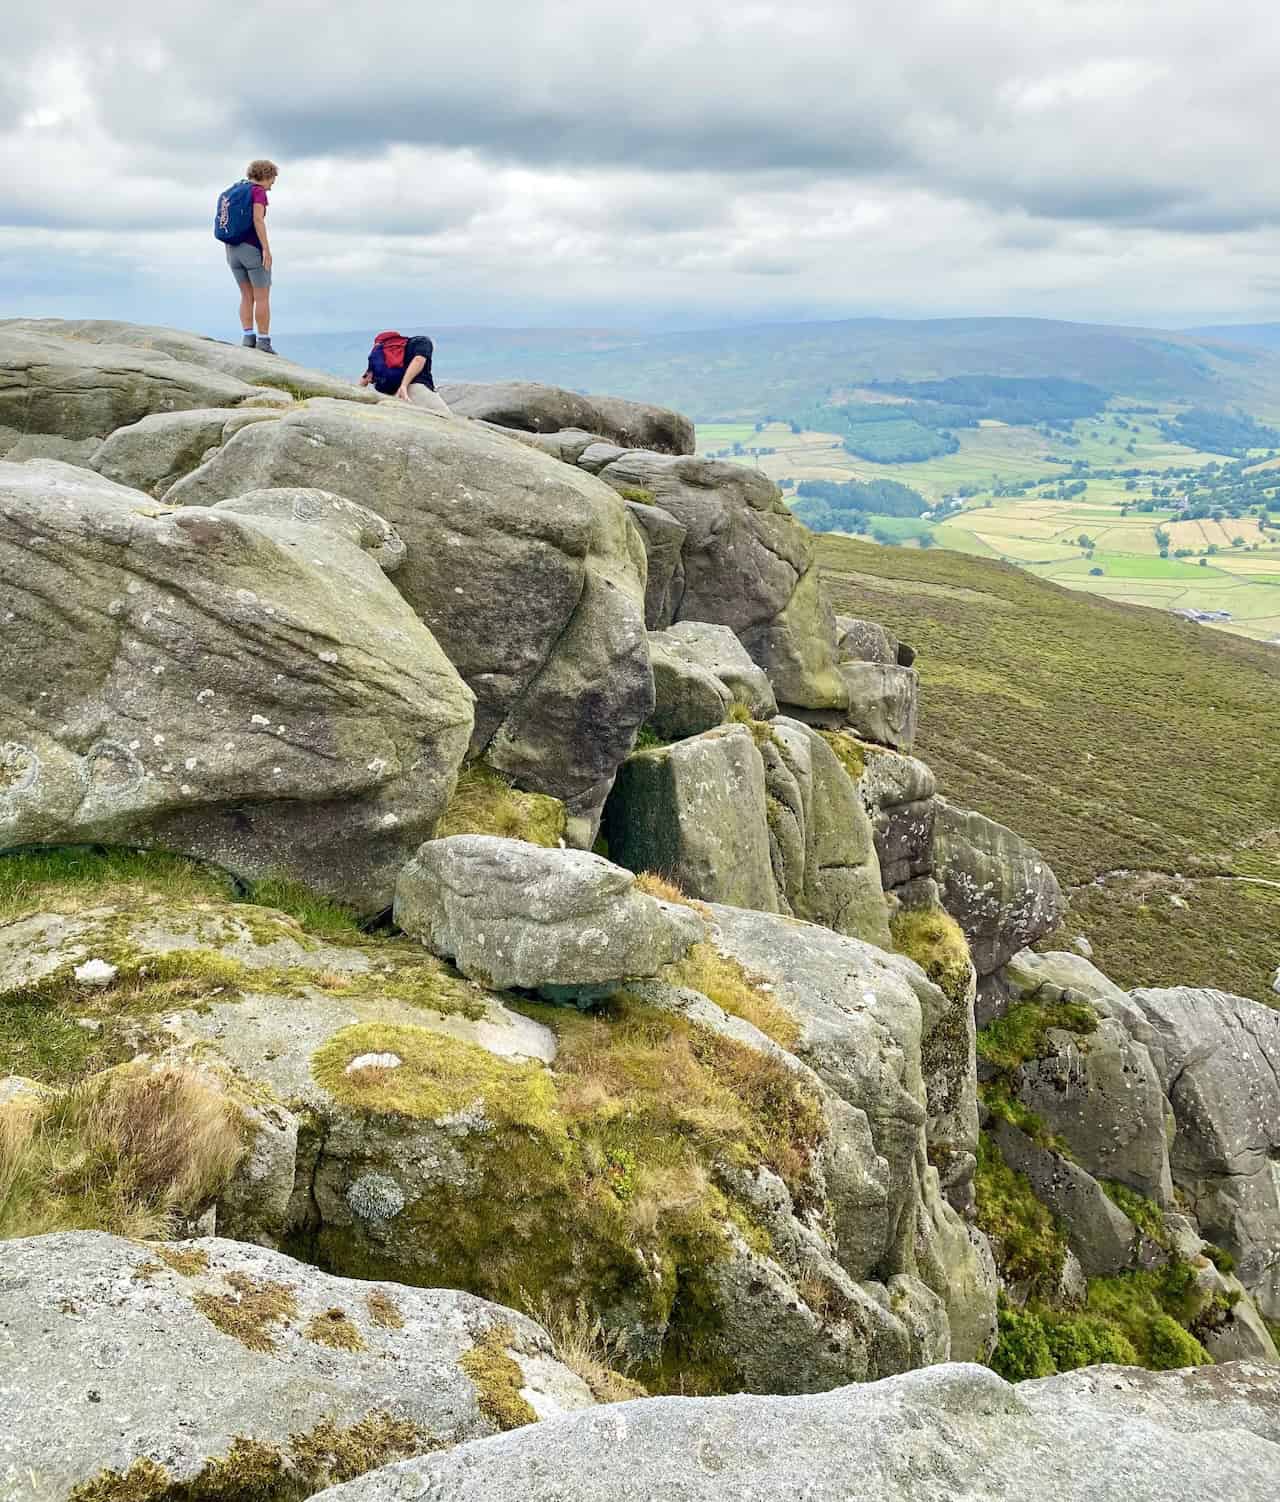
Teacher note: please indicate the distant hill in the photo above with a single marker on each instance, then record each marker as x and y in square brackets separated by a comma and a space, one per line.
[778, 369]
[1261, 335]
[1125, 743]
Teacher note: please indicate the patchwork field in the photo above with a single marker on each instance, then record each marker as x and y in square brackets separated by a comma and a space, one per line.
[1042, 533]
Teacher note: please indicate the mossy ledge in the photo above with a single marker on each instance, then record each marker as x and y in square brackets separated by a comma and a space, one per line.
[252, 1471]
[935, 941]
[600, 1178]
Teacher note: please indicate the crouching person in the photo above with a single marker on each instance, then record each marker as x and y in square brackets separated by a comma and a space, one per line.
[402, 367]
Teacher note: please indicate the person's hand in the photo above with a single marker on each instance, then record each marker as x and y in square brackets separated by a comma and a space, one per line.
[365, 379]
[403, 393]
[266, 260]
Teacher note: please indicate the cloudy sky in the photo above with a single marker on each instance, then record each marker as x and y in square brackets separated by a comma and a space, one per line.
[674, 163]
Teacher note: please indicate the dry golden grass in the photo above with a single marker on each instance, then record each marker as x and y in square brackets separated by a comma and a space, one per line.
[657, 886]
[484, 802]
[736, 991]
[582, 1343]
[130, 1151]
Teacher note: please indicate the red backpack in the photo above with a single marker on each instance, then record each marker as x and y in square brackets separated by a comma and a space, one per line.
[386, 361]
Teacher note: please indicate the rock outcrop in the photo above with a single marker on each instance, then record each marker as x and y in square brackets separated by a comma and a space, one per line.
[564, 922]
[535, 408]
[141, 1370]
[248, 691]
[760, 817]
[1217, 1058]
[999, 889]
[1102, 1435]
[528, 573]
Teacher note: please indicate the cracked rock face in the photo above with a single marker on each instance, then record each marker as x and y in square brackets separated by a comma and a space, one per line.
[528, 572]
[533, 407]
[997, 887]
[553, 920]
[219, 685]
[1218, 1060]
[747, 564]
[115, 1354]
[1098, 1435]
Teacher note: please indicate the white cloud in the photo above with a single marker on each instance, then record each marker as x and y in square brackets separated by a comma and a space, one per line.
[540, 161]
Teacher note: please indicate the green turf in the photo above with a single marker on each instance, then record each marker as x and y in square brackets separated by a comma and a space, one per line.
[1111, 736]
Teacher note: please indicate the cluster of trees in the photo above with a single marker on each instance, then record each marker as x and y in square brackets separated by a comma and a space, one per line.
[857, 506]
[1220, 432]
[919, 426]
[1021, 401]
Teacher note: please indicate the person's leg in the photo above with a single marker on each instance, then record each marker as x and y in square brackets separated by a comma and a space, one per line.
[261, 279]
[421, 395]
[246, 295]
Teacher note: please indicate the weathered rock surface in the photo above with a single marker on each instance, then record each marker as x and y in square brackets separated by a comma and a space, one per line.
[688, 699]
[869, 641]
[663, 543]
[748, 564]
[999, 889]
[74, 390]
[821, 843]
[897, 791]
[866, 1019]
[528, 572]
[171, 1361]
[882, 703]
[1098, 1232]
[211, 688]
[158, 450]
[1099, 1091]
[512, 914]
[1101, 1435]
[299, 509]
[1218, 1060]
[694, 812]
[719, 651]
[270, 372]
[549, 409]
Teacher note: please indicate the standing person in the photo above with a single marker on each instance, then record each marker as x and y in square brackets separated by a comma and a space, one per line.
[402, 367]
[241, 224]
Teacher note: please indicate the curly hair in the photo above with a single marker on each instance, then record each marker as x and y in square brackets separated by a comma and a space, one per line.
[262, 170]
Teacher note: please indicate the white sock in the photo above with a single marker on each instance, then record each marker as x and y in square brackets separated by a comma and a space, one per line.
[248, 332]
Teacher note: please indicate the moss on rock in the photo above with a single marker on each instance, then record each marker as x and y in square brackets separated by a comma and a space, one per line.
[1030, 1246]
[605, 1175]
[249, 1311]
[253, 1471]
[1021, 1034]
[935, 941]
[498, 1379]
[436, 1077]
[724, 980]
[850, 752]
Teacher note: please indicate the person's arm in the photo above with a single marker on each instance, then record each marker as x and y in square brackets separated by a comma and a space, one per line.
[260, 228]
[412, 370]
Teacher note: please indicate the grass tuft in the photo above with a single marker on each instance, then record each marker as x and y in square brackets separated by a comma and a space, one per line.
[484, 802]
[722, 979]
[936, 942]
[131, 1151]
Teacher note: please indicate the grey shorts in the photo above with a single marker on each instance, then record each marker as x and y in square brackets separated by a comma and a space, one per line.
[246, 266]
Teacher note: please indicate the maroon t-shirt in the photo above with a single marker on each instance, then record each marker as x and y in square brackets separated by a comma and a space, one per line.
[257, 196]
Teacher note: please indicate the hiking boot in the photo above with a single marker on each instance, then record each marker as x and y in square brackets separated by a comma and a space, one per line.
[250, 341]
[265, 345]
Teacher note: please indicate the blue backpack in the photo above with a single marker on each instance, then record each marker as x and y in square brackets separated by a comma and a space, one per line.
[233, 217]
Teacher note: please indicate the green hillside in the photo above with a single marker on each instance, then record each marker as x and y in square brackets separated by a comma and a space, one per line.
[788, 368]
[1117, 739]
